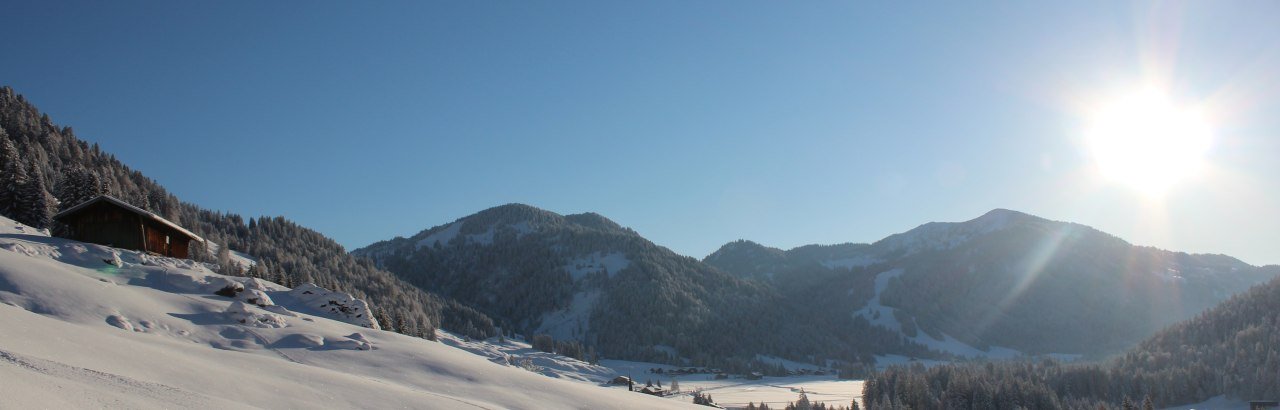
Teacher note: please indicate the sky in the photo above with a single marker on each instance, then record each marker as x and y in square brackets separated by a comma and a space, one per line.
[694, 123]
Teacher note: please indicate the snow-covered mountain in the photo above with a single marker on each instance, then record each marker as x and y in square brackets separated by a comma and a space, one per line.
[87, 326]
[585, 278]
[1006, 279]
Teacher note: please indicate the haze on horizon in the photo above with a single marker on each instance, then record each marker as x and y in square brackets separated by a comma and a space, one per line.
[693, 123]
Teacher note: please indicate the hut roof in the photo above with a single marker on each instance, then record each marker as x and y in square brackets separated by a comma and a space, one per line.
[122, 204]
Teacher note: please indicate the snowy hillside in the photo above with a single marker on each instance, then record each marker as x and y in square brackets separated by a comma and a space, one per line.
[91, 326]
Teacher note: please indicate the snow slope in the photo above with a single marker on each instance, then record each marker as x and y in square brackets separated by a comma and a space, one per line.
[881, 315]
[90, 326]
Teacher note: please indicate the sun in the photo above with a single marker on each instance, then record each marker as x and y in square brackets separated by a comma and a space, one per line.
[1148, 142]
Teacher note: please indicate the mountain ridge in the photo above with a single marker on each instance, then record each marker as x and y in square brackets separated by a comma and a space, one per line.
[948, 270]
[584, 277]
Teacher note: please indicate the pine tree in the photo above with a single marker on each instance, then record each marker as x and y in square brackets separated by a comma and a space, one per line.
[36, 203]
[1147, 404]
[225, 265]
[78, 185]
[13, 175]
[802, 403]
[198, 251]
[380, 315]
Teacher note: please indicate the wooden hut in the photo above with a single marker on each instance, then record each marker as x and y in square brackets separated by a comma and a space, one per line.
[109, 221]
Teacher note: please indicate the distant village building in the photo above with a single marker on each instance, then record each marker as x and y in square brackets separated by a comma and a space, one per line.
[105, 220]
[621, 380]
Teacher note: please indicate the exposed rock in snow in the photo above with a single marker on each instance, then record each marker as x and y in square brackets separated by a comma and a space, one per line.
[120, 322]
[336, 305]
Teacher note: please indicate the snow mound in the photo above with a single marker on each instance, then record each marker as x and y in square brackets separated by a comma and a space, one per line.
[336, 305]
[299, 340]
[315, 342]
[240, 312]
[354, 341]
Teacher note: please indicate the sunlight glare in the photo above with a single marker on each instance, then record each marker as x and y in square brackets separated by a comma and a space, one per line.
[1147, 142]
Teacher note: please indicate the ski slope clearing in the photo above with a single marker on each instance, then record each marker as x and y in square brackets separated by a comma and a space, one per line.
[87, 326]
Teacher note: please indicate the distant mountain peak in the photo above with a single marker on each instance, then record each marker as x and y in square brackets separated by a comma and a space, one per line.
[1003, 213]
[747, 244]
[593, 220]
[1000, 218]
[513, 210]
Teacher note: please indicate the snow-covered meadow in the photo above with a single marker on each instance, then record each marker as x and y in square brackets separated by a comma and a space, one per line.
[735, 391]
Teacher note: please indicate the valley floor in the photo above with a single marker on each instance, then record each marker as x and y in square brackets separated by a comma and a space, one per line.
[736, 392]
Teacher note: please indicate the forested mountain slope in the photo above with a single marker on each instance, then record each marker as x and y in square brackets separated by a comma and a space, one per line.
[585, 278]
[1230, 350]
[40, 161]
[1013, 280]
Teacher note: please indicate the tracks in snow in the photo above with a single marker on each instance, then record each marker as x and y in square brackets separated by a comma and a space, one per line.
[139, 388]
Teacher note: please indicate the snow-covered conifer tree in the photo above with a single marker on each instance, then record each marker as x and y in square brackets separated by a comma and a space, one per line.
[35, 202]
[78, 185]
[13, 175]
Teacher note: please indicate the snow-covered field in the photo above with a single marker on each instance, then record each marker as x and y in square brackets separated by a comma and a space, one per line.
[1215, 403]
[775, 391]
[86, 326]
[736, 392]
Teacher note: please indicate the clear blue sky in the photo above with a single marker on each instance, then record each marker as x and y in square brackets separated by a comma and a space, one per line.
[695, 123]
